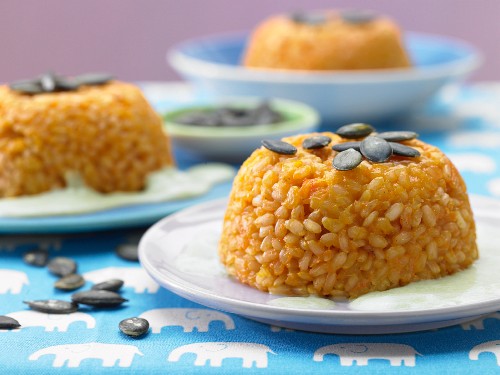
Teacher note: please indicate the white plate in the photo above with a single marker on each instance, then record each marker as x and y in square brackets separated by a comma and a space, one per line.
[180, 253]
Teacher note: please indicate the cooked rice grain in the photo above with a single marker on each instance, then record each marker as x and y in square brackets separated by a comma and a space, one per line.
[295, 225]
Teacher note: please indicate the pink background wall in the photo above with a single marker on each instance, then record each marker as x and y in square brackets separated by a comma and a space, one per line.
[129, 38]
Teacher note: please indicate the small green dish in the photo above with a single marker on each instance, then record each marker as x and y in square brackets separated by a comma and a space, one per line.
[236, 143]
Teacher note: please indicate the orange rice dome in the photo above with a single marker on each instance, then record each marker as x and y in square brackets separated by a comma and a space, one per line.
[109, 134]
[295, 225]
[282, 43]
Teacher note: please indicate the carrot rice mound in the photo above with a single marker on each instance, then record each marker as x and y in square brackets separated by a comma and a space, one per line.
[108, 134]
[294, 225]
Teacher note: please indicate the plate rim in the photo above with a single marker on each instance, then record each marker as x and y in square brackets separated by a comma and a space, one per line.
[193, 293]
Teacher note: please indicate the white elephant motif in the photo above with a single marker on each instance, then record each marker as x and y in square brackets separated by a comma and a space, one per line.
[189, 319]
[396, 354]
[133, 277]
[479, 323]
[51, 322]
[490, 346]
[12, 281]
[73, 354]
[216, 352]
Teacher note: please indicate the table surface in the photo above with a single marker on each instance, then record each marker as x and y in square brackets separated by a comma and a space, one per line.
[469, 123]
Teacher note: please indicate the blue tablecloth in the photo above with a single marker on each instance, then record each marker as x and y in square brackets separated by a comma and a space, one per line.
[90, 339]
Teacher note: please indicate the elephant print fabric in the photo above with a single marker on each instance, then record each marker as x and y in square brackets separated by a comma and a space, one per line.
[73, 354]
[188, 319]
[52, 322]
[213, 353]
[361, 353]
[133, 277]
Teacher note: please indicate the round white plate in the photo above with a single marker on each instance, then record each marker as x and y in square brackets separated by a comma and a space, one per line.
[180, 253]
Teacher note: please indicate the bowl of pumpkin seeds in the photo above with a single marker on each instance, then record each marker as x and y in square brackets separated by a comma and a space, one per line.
[230, 130]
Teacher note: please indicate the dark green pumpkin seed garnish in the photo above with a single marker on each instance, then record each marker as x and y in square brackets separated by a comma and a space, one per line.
[50, 82]
[62, 266]
[279, 147]
[134, 327]
[353, 131]
[6, 322]
[403, 150]
[98, 298]
[347, 160]
[53, 306]
[70, 282]
[316, 142]
[376, 149]
[312, 19]
[397, 136]
[112, 285]
[339, 147]
[37, 258]
[358, 16]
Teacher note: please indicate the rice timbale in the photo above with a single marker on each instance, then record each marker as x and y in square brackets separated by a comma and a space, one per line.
[108, 134]
[332, 42]
[295, 225]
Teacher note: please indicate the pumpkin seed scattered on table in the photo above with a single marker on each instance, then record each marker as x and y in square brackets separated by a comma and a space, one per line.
[62, 266]
[403, 150]
[134, 327]
[38, 257]
[6, 322]
[128, 252]
[70, 282]
[347, 160]
[316, 142]
[357, 130]
[53, 306]
[346, 145]
[376, 149]
[98, 298]
[279, 147]
[112, 285]
[397, 136]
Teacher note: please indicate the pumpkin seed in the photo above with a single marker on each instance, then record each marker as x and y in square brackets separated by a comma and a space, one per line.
[397, 136]
[315, 142]
[346, 145]
[376, 149]
[38, 257]
[112, 285]
[70, 282]
[134, 327]
[358, 16]
[312, 19]
[98, 298]
[347, 160]
[48, 82]
[279, 147]
[93, 79]
[53, 306]
[27, 87]
[357, 130]
[62, 266]
[6, 322]
[403, 150]
[128, 252]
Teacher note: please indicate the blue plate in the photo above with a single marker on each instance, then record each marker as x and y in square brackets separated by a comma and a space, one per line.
[213, 65]
[123, 217]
